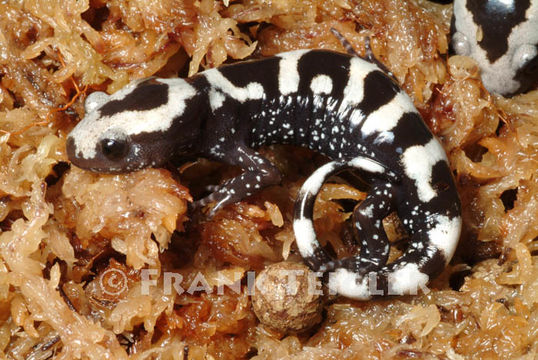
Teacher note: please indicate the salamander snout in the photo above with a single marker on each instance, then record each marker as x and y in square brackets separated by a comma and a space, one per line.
[112, 152]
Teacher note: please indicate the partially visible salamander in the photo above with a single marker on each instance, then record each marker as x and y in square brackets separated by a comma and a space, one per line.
[502, 36]
[337, 104]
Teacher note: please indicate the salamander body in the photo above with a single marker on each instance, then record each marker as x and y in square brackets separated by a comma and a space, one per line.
[502, 36]
[339, 105]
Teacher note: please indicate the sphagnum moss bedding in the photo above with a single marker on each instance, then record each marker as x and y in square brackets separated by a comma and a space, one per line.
[74, 245]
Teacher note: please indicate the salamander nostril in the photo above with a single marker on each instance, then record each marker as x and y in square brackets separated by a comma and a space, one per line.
[114, 149]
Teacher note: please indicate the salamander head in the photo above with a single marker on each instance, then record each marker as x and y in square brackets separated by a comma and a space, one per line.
[134, 128]
[502, 36]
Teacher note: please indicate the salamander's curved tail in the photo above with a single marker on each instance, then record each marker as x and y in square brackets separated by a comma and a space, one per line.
[311, 251]
[355, 277]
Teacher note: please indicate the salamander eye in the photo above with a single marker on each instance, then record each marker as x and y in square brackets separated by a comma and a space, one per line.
[460, 44]
[114, 149]
[524, 55]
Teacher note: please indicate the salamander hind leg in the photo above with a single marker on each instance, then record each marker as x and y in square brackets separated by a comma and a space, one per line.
[433, 225]
[368, 221]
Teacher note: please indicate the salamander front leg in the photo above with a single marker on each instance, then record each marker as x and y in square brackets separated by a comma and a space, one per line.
[258, 174]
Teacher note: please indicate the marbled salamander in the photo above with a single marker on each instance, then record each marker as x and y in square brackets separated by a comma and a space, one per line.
[502, 36]
[337, 104]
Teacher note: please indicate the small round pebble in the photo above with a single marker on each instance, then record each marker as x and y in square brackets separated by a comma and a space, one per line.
[288, 297]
